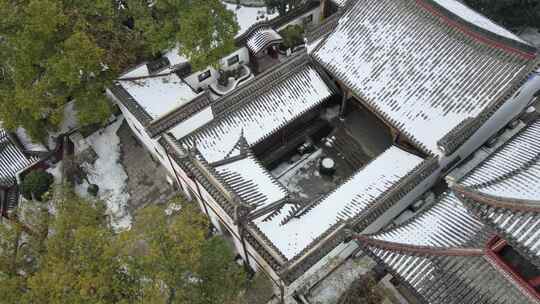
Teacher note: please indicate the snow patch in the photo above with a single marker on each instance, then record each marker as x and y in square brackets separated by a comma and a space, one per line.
[56, 171]
[247, 16]
[172, 208]
[107, 172]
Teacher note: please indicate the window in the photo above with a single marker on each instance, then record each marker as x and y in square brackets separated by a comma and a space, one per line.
[204, 76]
[233, 60]
[308, 19]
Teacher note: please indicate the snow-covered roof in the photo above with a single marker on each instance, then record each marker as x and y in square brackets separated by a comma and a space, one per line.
[262, 112]
[12, 160]
[28, 143]
[421, 251]
[349, 200]
[513, 171]
[446, 224]
[262, 38]
[159, 95]
[505, 190]
[252, 182]
[418, 70]
[173, 56]
[468, 14]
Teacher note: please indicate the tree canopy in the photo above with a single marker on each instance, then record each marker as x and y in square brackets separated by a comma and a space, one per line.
[178, 253]
[282, 6]
[511, 13]
[72, 255]
[54, 51]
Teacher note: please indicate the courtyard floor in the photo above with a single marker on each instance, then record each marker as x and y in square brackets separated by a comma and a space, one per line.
[147, 179]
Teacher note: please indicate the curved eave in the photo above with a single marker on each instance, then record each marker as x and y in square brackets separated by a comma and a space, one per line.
[481, 34]
[468, 195]
[370, 241]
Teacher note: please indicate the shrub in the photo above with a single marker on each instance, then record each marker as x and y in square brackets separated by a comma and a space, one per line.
[93, 189]
[35, 184]
[293, 35]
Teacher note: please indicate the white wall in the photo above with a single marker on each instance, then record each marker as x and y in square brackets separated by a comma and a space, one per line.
[243, 54]
[193, 79]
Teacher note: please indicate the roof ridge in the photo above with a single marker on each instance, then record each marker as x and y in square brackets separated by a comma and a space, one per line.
[368, 240]
[466, 195]
[478, 33]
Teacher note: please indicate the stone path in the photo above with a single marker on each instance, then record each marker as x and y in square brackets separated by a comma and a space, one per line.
[147, 183]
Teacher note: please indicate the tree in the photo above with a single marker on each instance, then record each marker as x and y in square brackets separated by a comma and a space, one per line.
[35, 184]
[282, 6]
[510, 13]
[293, 35]
[69, 256]
[176, 256]
[56, 51]
[204, 29]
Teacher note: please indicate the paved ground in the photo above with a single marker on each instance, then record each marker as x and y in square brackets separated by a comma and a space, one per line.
[147, 182]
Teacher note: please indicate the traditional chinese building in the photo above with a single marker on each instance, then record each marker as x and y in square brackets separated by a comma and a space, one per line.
[389, 97]
[17, 155]
[480, 241]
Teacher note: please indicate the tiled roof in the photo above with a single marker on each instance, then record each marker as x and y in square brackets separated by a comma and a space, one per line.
[350, 199]
[439, 254]
[159, 95]
[504, 191]
[252, 182]
[262, 38]
[259, 110]
[513, 171]
[12, 160]
[422, 73]
[447, 224]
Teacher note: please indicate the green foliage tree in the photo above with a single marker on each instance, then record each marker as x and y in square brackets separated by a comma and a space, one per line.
[511, 13]
[76, 263]
[282, 6]
[204, 29]
[175, 255]
[293, 35]
[35, 184]
[55, 51]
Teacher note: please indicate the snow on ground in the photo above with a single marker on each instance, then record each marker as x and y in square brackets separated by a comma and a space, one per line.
[247, 16]
[293, 174]
[56, 171]
[173, 207]
[531, 35]
[107, 172]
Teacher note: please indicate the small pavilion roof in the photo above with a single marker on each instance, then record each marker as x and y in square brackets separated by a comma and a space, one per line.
[262, 38]
[12, 159]
[423, 65]
[260, 108]
[439, 254]
[292, 234]
[504, 191]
